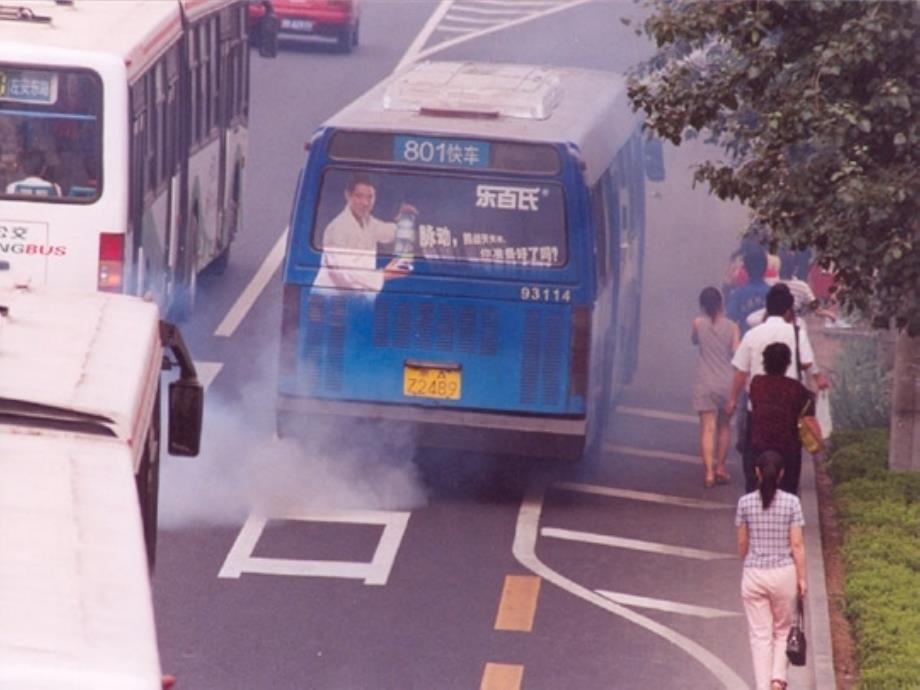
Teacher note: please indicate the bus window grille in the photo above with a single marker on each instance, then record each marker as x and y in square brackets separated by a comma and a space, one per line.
[467, 330]
[402, 325]
[335, 344]
[313, 340]
[444, 328]
[530, 358]
[489, 344]
[316, 309]
[381, 322]
[551, 364]
[424, 336]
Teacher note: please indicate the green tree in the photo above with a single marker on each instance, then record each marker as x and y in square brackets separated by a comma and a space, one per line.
[816, 106]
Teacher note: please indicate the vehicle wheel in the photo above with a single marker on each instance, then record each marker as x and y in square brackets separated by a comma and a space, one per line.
[345, 40]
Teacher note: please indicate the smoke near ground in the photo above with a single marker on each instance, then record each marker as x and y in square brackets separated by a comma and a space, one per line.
[243, 467]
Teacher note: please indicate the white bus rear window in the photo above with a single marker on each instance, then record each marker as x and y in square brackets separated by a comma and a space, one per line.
[50, 134]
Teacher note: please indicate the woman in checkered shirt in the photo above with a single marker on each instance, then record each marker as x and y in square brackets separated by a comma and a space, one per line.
[769, 523]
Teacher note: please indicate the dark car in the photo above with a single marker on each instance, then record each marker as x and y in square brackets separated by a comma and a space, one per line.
[335, 19]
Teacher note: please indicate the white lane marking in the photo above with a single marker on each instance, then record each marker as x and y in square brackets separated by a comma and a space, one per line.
[207, 372]
[655, 454]
[411, 54]
[428, 52]
[255, 287]
[376, 572]
[643, 496]
[478, 21]
[657, 414]
[633, 544]
[524, 549]
[665, 605]
[468, 8]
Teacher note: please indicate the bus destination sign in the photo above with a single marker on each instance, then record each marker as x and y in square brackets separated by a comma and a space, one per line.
[28, 86]
[451, 153]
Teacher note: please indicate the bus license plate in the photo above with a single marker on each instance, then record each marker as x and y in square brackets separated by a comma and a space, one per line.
[431, 382]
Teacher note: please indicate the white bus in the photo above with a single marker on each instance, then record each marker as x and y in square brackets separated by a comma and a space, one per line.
[79, 445]
[123, 130]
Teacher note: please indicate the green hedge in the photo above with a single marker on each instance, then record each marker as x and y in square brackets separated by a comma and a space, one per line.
[880, 515]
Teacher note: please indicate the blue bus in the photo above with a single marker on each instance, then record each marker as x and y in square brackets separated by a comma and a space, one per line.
[465, 259]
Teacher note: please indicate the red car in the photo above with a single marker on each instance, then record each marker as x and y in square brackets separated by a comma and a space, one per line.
[338, 19]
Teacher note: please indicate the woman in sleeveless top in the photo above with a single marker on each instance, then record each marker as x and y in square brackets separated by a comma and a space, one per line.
[717, 338]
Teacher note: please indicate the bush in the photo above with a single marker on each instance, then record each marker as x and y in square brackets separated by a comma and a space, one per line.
[880, 514]
[861, 394]
[857, 454]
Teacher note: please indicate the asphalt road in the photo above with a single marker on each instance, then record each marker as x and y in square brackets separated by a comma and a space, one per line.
[342, 566]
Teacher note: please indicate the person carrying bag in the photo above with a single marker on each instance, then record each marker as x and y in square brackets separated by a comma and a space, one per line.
[769, 525]
[795, 641]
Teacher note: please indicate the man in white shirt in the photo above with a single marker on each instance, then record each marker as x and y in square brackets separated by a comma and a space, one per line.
[350, 242]
[33, 165]
[779, 326]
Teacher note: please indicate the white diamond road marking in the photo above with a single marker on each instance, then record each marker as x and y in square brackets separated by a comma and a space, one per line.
[376, 572]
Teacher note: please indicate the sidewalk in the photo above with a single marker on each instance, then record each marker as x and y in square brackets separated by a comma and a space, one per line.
[818, 673]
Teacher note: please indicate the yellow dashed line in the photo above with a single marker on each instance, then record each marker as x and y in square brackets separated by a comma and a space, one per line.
[502, 677]
[518, 606]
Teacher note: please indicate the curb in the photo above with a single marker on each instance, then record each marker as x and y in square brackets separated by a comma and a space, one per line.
[818, 673]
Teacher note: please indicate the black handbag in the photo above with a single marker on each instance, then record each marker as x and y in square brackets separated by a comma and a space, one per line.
[795, 643]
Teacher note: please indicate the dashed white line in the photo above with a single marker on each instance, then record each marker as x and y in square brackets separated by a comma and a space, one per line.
[255, 287]
[657, 414]
[630, 494]
[207, 372]
[655, 454]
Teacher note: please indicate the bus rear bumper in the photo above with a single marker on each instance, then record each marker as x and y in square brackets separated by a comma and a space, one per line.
[510, 434]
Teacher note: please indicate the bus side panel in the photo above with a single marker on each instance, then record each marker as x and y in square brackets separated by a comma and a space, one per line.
[512, 357]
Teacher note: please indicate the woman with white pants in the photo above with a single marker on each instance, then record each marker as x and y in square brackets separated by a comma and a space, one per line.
[769, 523]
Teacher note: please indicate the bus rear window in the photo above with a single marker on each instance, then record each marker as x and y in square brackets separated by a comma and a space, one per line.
[459, 218]
[50, 134]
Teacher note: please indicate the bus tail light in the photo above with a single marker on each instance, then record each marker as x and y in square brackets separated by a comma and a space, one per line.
[581, 346]
[111, 262]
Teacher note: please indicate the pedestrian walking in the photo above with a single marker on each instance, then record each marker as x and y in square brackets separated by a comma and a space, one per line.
[717, 338]
[752, 294]
[769, 528]
[779, 326]
[777, 402]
